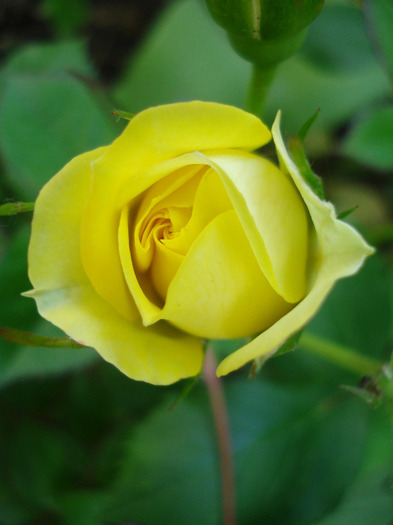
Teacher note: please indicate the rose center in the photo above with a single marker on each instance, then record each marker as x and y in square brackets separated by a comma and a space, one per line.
[170, 217]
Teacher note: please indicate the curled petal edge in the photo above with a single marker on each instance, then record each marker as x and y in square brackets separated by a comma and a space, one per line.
[339, 252]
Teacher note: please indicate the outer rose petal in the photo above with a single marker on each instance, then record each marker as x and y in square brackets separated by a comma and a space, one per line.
[152, 136]
[340, 251]
[64, 295]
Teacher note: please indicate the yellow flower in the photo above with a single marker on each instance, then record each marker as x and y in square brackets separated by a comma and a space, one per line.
[177, 232]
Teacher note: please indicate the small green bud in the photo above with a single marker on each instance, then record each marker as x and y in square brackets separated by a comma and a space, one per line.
[265, 32]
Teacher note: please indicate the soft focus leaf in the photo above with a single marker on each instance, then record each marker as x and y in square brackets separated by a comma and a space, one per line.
[358, 312]
[185, 57]
[64, 119]
[370, 140]
[169, 473]
[20, 362]
[66, 15]
[378, 16]
[336, 40]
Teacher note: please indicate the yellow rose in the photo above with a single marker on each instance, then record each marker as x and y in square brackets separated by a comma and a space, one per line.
[177, 232]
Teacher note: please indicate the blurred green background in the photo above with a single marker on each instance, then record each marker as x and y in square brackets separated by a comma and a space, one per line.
[80, 443]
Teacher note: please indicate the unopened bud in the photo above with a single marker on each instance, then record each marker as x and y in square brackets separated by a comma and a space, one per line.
[265, 32]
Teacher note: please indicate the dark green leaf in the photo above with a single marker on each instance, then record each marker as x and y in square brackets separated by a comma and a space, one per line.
[378, 17]
[21, 362]
[66, 15]
[370, 140]
[369, 501]
[60, 115]
[183, 58]
[169, 474]
[358, 312]
[336, 40]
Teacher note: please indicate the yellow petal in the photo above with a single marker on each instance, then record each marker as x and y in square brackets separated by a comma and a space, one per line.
[219, 290]
[142, 291]
[211, 199]
[339, 252]
[153, 136]
[173, 191]
[64, 295]
[54, 250]
[273, 216]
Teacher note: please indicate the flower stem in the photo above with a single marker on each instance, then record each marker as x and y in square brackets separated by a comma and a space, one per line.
[258, 89]
[220, 415]
[340, 355]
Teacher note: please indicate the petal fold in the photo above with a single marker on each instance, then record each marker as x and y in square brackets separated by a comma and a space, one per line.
[273, 216]
[338, 251]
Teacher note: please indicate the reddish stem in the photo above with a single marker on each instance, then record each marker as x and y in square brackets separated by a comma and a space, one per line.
[221, 422]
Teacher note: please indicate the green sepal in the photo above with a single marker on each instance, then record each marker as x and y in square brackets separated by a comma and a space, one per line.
[303, 131]
[345, 213]
[264, 19]
[123, 114]
[266, 53]
[12, 208]
[299, 157]
[21, 337]
[288, 346]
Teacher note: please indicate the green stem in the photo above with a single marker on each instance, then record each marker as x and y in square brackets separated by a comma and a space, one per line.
[258, 89]
[220, 415]
[340, 355]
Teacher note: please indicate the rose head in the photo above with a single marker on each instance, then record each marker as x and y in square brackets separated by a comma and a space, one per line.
[176, 233]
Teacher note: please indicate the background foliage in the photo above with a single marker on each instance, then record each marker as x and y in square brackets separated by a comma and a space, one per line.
[80, 443]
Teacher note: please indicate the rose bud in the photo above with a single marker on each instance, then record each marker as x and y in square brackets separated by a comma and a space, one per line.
[265, 32]
[177, 232]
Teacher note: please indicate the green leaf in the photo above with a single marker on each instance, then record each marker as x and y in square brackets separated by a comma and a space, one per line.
[169, 474]
[378, 16]
[67, 16]
[185, 57]
[283, 439]
[336, 40]
[35, 363]
[369, 501]
[358, 312]
[21, 362]
[12, 208]
[48, 115]
[370, 140]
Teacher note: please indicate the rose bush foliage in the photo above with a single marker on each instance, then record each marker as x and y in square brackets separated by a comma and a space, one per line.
[176, 233]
